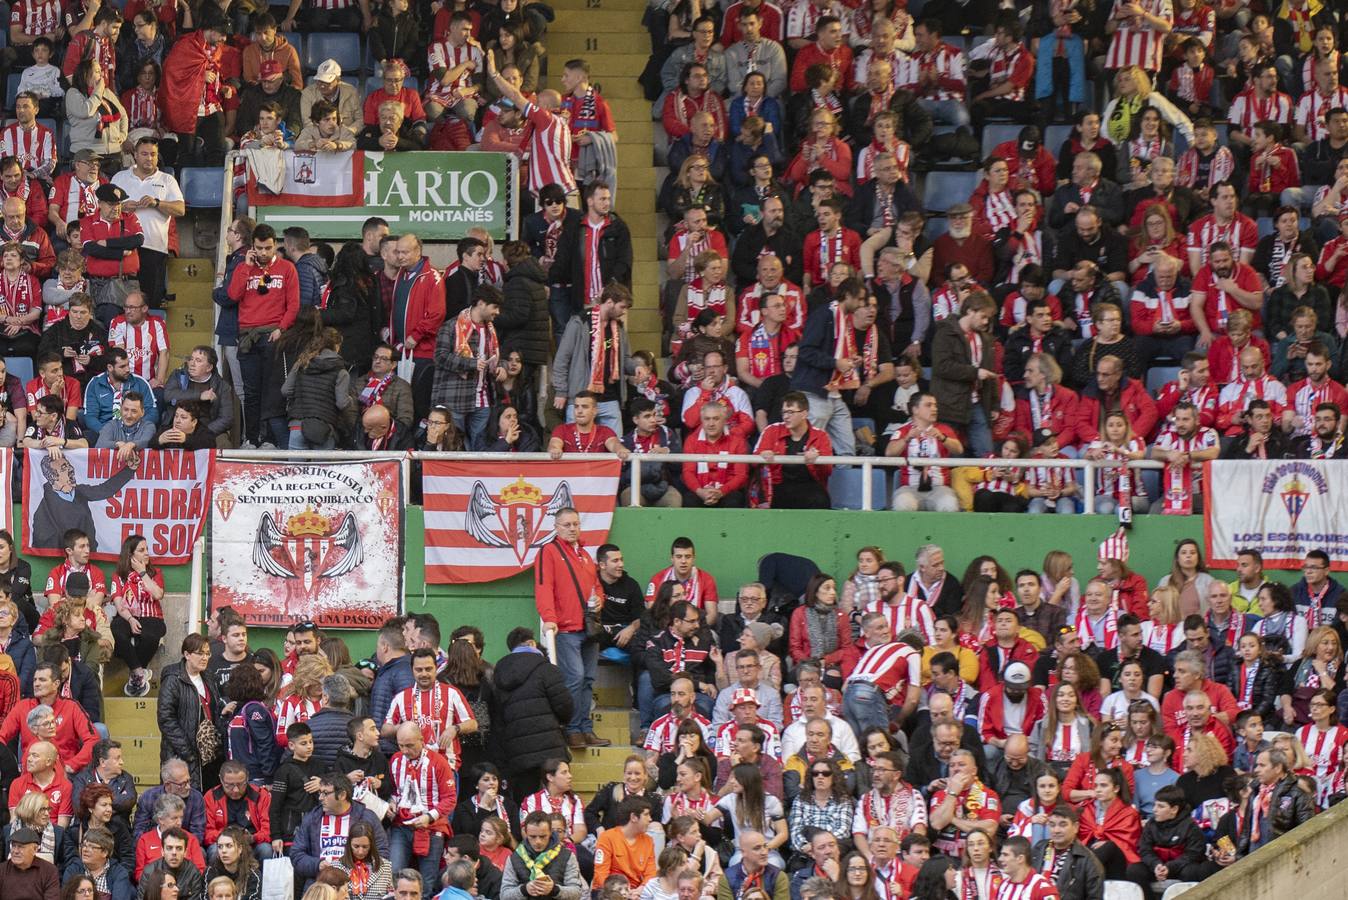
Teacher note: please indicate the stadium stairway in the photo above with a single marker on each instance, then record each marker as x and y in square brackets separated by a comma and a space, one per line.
[614, 719]
[133, 720]
[609, 35]
[191, 317]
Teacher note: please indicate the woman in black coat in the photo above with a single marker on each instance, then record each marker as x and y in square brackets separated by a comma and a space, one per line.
[354, 307]
[525, 323]
[188, 695]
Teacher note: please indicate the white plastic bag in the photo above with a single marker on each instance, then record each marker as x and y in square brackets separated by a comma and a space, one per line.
[278, 879]
[406, 365]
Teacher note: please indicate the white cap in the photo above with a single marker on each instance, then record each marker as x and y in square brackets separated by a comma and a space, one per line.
[328, 71]
[1017, 673]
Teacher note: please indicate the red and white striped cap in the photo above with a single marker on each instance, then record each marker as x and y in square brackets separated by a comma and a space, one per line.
[1115, 546]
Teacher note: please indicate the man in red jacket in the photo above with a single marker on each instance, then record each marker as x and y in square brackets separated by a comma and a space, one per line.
[795, 435]
[111, 244]
[233, 790]
[416, 316]
[717, 485]
[1112, 390]
[566, 584]
[267, 289]
[74, 737]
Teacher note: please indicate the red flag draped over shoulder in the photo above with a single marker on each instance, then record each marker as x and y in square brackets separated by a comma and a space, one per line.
[184, 81]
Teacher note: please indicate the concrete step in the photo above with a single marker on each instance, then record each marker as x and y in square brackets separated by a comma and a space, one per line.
[619, 87]
[614, 724]
[594, 757]
[612, 696]
[630, 111]
[611, 66]
[633, 156]
[131, 715]
[604, 23]
[590, 5]
[643, 320]
[183, 270]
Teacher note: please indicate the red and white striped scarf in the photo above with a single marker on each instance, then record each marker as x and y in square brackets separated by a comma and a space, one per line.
[605, 366]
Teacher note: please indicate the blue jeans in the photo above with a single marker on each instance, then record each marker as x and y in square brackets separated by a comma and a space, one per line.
[865, 707]
[1076, 67]
[1066, 506]
[400, 857]
[251, 365]
[980, 433]
[471, 425]
[559, 305]
[832, 416]
[298, 442]
[610, 414]
[578, 658]
[947, 112]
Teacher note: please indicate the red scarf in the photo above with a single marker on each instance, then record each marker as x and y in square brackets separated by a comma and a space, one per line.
[605, 365]
[844, 342]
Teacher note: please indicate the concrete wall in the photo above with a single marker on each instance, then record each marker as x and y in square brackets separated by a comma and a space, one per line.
[1305, 864]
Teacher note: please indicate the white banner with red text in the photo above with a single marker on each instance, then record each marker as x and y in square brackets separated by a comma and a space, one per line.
[318, 541]
[487, 520]
[1282, 508]
[163, 497]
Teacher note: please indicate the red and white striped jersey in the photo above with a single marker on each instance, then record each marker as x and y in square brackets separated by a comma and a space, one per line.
[948, 63]
[999, 210]
[143, 343]
[136, 597]
[903, 155]
[1303, 397]
[20, 296]
[35, 147]
[333, 832]
[1311, 109]
[902, 810]
[434, 710]
[36, 18]
[291, 709]
[548, 140]
[1015, 65]
[751, 299]
[423, 786]
[909, 612]
[568, 805]
[677, 803]
[1325, 749]
[56, 580]
[803, 16]
[927, 447]
[1036, 887]
[888, 666]
[142, 108]
[724, 742]
[444, 55]
[833, 702]
[1248, 109]
[663, 736]
[1137, 42]
[1202, 439]
[1241, 233]
[902, 67]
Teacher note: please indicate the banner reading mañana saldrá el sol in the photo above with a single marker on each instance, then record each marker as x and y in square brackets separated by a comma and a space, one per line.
[322, 542]
[1282, 508]
[163, 498]
[437, 196]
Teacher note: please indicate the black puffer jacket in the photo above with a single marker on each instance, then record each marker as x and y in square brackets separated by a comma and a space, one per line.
[329, 728]
[356, 311]
[529, 707]
[179, 716]
[524, 323]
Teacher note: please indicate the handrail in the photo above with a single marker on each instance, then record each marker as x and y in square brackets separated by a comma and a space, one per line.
[866, 464]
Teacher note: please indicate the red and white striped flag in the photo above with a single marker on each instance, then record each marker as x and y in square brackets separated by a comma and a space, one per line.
[486, 521]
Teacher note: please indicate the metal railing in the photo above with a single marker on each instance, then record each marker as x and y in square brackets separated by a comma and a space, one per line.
[867, 464]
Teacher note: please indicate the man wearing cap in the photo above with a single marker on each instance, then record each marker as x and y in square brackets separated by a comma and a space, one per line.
[327, 85]
[745, 717]
[962, 244]
[1009, 708]
[269, 45]
[73, 194]
[24, 876]
[155, 198]
[1032, 166]
[271, 87]
[112, 239]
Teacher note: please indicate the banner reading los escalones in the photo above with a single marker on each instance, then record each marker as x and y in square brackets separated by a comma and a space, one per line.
[1282, 508]
[437, 196]
[163, 498]
[486, 521]
[321, 541]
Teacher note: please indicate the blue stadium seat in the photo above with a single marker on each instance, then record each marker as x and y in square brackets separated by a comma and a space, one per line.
[845, 488]
[1159, 376]
[1054, 135]
[343, 47]
[353, 80]
[978, 40]
[21, 367]
[945, 189]
[996, 133]
[160, 314]
[1264, 224]
[936, 226]
[202, 187]
[12, 90]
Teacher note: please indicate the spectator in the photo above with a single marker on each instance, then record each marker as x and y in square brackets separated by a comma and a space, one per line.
[198, 380]
[267, 291]
[327, 86]
[317, 389]
[95, 116]
[102, 397]
[155, 198]
[189, 696]
[391, 131]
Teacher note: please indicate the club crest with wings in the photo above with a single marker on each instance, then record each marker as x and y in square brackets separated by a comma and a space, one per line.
[519, 517]
[306, 547]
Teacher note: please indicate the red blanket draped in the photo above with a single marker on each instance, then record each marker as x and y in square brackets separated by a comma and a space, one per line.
[184, 81]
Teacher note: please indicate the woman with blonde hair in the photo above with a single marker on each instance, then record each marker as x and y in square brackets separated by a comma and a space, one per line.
[222, 887]
[1133, 93]
[303, 697]
[695, 186]
[1323, 737]
[1320, 669]
[1058, 581]
[1206, 769]
[822, 149]
[1163, 630]
[320, 891]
